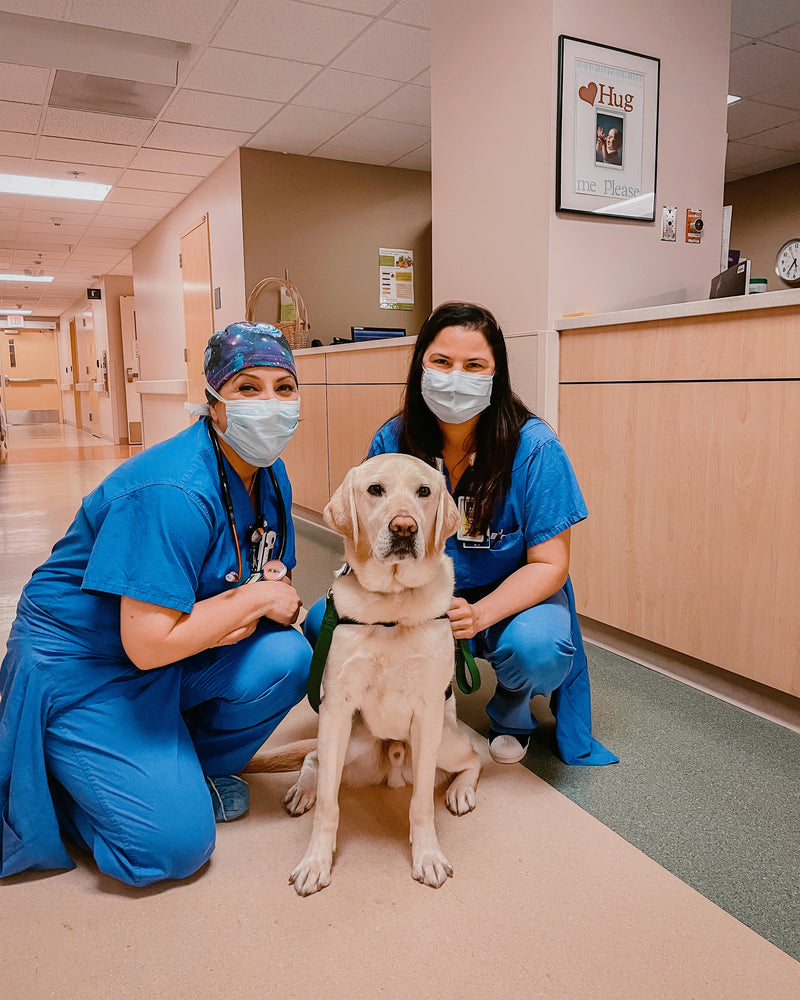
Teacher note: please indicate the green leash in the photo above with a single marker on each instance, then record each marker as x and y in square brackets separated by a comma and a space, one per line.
[465, 661]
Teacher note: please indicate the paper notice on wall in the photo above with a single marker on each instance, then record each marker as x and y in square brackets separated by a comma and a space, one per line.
[396, 277]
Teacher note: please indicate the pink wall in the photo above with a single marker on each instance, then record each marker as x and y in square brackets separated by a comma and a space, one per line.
[496, 235]
[159, 292]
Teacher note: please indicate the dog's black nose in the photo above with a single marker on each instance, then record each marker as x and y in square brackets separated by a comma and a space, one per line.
[403, 526]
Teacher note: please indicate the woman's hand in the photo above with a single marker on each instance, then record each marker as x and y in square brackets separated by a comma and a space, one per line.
[465, 622]
[281, 602]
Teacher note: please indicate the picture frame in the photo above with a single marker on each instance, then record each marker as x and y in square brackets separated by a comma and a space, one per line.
[607, 131]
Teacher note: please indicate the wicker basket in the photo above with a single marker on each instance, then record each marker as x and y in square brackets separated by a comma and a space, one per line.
[295, 331]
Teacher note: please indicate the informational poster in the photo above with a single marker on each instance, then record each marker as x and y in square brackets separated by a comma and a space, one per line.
[396, 278]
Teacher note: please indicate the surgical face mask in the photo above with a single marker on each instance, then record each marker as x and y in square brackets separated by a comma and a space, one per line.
[259, 429]
[456, 397]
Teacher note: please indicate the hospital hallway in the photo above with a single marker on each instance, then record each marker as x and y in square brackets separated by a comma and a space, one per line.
[674, 874]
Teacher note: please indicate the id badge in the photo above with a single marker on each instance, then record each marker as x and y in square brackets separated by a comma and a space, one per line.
[465, 505]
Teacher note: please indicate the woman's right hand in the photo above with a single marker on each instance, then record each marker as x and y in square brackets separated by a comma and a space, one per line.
[281, 602]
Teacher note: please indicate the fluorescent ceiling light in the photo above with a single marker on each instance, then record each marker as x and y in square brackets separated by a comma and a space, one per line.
[25, 277]
[49, 187]
[16, 312]
[733, 99]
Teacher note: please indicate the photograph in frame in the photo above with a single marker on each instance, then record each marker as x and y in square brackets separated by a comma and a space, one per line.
[607, 131]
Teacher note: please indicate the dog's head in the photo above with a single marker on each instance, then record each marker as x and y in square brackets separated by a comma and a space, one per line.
[392, 509]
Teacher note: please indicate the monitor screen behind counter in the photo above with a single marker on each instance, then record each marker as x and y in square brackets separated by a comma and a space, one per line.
[734, 281]
[361, 333]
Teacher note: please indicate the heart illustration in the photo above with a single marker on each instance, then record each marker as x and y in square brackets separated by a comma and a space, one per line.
[588, 94]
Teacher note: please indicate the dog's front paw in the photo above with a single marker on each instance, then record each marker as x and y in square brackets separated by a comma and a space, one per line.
[431, 868]
[300, 797]
[311, 875]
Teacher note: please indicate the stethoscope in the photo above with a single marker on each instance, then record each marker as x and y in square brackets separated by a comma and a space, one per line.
[260, 536]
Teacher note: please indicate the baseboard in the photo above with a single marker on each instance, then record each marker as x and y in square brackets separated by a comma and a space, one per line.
[766, 702]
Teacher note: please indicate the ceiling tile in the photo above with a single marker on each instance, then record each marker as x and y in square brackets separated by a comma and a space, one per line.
[245, 75]
[788, 38]
[417, 12]
[741, 156]
[410, 104]
[135, 196]
[420, 159]
[784, 137]
[300, 130]
[181, 20]
[373, 7]
[19, 117]
[121, 211]
[95, 127]
[86, 171]
[388, 50]
[36, 8]
[749, 117]
[737, 41]
[195, 139]
[170, 161]
[33, 214]
[289, 30]
[62, 207]
[64, 231]
[785, 95]
[352, 154]
[17, 143]
[424, 79]
[757, 67]
[23, 83]
[15, 165]
[79, 151]
[106, 242]
[336, 90]
[393, 138]
[195, 107]
[758, 19]
[159, 181]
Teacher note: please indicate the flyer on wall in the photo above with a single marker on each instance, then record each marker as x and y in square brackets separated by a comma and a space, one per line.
[608, 125]
[396, 277]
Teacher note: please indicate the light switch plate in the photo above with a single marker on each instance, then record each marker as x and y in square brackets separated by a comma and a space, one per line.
[669, 222]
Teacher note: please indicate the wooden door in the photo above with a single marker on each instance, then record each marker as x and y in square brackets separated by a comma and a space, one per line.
[198, 303]
[130, 359]
[88, 374]
[75, 367]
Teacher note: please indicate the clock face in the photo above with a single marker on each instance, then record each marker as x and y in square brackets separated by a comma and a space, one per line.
[787, 263]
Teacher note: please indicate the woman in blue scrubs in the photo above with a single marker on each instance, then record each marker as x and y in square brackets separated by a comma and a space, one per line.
[518, 498]
[141, 675]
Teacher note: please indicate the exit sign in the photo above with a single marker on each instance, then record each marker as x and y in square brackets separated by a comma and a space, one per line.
[14, 319]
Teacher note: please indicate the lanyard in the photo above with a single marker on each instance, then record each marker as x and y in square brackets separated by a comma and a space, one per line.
[261, 538]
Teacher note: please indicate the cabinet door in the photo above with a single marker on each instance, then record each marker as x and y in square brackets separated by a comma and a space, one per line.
[306, 456]
[693, 536]
[355, 412]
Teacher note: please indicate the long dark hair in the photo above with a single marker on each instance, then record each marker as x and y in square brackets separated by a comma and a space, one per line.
[496, 435]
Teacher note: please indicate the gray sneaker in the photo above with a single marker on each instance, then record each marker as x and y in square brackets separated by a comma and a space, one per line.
[230, 796]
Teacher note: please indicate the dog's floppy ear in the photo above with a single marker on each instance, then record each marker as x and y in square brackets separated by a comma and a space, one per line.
[340, 512]
[447, 519]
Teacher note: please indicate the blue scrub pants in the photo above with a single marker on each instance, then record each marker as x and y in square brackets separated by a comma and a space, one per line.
[128, 773]
[531, 654]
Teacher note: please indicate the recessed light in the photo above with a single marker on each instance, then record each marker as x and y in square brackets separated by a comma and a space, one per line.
[25, 277]
[49, 187]
[732, 99]
[16, 312]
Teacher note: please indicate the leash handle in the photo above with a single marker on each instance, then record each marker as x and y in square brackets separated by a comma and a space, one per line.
[465, 663]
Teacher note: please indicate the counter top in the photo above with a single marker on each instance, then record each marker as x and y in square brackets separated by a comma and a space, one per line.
[680, 310]
[367, 345]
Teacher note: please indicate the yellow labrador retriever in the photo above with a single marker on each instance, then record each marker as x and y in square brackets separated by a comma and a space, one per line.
[384, 714]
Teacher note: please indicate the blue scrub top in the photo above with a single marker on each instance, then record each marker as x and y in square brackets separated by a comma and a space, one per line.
[542, 500]
[155, 530]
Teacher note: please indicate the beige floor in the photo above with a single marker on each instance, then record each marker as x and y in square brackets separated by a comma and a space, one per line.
[545, 903]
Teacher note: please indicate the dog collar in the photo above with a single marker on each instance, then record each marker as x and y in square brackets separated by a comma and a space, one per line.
[465, 661]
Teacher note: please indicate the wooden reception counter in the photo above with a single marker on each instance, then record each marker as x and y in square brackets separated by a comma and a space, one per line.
[683, 424]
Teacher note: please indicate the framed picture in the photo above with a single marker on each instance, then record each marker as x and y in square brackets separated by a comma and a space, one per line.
[607, 140]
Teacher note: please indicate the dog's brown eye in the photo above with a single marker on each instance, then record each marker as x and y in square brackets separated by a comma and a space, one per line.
[424, 491]
[375, 490]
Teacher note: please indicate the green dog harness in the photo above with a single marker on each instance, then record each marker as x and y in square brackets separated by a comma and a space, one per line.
[465, 661]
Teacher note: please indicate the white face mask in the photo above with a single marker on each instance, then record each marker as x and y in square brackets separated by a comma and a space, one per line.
[259, 429]
[456, 397]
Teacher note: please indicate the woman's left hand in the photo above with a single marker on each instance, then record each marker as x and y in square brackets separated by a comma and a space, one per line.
[464, 619]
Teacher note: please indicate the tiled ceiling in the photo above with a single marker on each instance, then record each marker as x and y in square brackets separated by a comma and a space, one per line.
[344, 79]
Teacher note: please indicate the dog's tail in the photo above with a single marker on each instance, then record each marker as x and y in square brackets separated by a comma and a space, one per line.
[286, 758]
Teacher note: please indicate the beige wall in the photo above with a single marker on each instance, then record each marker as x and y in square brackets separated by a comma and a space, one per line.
[324, 221]
[766, 213]
[159, 290]
[497, 236]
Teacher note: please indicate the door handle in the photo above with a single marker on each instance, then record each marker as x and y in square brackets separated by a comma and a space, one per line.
[131, 375]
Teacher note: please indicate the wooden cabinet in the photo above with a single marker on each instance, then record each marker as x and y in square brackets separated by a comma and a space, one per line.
[685, 448]
[346, 394]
